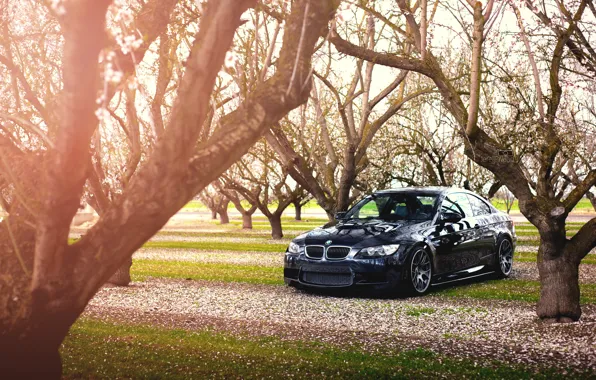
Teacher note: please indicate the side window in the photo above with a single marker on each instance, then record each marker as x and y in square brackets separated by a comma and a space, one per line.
[464, 203]
[457, 203]
[479, 206]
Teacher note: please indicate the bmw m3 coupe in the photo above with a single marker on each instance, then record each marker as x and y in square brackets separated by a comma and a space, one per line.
[405, 239]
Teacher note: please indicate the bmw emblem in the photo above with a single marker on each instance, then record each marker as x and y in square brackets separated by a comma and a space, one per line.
[328, 242]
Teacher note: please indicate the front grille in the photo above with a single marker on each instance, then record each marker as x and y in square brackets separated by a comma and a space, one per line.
[314, 251]
[336, 253]
[331, 279]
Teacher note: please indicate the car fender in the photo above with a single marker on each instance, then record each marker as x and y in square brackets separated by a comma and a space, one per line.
[502, 234]
[410, 250]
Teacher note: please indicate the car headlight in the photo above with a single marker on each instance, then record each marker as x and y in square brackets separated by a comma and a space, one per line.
[293, 248]
[379, 250]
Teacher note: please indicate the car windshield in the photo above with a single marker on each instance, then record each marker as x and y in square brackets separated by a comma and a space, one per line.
[395, 206]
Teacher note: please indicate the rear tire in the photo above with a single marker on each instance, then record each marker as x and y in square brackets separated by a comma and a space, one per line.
[504, 254]
[419, 271]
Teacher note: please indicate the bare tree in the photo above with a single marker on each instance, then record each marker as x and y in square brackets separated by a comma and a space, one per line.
[217, 202]
[237, 200]
[265, 183]
[300, 198]
[547, 209]
[330, 165]
[506, 197]
[51, 281]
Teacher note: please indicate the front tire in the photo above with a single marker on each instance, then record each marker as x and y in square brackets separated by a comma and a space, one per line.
[504, 258]
[419, 272]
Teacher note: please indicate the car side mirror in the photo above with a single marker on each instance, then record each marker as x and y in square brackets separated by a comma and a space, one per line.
[450, 217]
[340, 215]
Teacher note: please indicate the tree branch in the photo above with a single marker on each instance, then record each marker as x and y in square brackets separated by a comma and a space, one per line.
[173, 174]
[85, 36]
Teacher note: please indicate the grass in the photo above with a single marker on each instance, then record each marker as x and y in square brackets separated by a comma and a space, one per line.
[95, 349]
[285, 224]
[206, 271]
[198, 205]
[218, 246]
[417, 311]
[194, 205]
[535, 232]
[530, 243]
[290, 219]
[510, 290]
[532, 257]
[231, 234]
[583, 205]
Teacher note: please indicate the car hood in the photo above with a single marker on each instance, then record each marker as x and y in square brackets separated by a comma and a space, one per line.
[365, 233]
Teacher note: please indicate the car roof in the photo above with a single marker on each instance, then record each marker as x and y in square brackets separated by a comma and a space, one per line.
[434, 190]
[419, 189]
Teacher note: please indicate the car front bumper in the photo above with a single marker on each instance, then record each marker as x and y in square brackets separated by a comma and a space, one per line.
[379, 272]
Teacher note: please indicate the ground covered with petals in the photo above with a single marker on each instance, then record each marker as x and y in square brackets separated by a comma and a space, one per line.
[194, 311]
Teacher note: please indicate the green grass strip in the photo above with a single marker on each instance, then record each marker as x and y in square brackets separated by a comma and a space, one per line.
[532, 257]
[232, 234]
[251, 274]
[235, 222]
[95, 349]
[291, 219]
[583, 205]
[528, 243]
[535, 232]
[221, 246]
[510, 289]
[286, 228]
[528, 224]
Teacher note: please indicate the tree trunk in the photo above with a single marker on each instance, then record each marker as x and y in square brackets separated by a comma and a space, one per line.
[222, 210]
[330, 215]
[346, 181]
[276, 230]
[559, 279]
[224, 218]
[35, 359]
[122, 275]
[31, 328]
[213, 214]
[592, 199]
[298, 208]
[247, 221]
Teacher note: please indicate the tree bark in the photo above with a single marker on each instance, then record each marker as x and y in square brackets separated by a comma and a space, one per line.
[559, 258]
[247, 221]
[298, 208]
[559, 286]
[122, 275]
[276, 229]
[34, 360]
[330, 215]
[592, 199]
[36, 311]
[224, 218]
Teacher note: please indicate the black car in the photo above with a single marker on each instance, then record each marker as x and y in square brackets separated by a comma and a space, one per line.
[405, 239]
